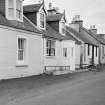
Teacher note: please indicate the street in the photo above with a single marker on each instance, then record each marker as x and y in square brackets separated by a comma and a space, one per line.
[88, 90]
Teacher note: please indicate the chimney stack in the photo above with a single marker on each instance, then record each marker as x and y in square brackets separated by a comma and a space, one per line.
[50, 6]
[77, 20]
[93, 29]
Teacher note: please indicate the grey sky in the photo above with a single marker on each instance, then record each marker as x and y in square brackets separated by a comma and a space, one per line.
[91, 11]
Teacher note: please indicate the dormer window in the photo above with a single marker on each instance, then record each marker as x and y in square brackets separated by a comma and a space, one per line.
[19, 9]
[14, 10]
[11, 8]
[62, 27]
[42, 23]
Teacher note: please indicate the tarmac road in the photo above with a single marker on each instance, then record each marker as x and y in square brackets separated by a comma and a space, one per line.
[88, 91]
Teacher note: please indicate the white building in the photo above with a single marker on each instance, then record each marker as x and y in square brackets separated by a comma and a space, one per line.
[90, 46]
[20, 42]
[58, 45]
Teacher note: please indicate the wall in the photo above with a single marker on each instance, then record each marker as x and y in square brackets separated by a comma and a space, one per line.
[77, 55]
[88, 58]
[8, 54]
[102, 54]
[59, 60]
[96, 58]
[70, 59]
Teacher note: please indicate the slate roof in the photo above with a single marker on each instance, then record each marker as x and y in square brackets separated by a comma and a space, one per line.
[84, 36]
[102, 41]
[56, 17]
[51, 33]
[25, 25]
[32, 8]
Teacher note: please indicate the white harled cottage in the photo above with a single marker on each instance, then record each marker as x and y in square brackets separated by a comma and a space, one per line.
[58, 44]
[20, 42]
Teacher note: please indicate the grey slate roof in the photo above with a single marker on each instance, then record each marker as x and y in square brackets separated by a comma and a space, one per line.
[84, 36]
[51, 33]
[56, 17]
[32, 8]
[25, 25]
[101, 40]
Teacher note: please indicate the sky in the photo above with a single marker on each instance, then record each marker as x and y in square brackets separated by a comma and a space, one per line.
[92, 12]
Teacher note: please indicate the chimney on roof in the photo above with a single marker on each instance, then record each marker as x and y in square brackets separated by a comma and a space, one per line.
[76, 23]
[52, 10]
[50, 6]
[77, 20]
[93, 29]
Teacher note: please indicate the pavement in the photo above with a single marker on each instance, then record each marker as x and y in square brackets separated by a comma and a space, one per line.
[86, 88]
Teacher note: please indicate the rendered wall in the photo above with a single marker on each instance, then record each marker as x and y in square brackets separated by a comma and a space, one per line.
[8, 54]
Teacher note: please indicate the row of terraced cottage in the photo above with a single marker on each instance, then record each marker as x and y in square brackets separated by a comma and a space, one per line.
[34, 40]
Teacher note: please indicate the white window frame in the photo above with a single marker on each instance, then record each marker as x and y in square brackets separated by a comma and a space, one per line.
[14, 12]
[41, 11]
[62, 28]
[50, 50]
[25, 59]
[42, 25]
[64, 52]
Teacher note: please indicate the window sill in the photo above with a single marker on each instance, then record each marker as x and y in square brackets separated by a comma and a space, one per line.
[50, 57]
[21, 64]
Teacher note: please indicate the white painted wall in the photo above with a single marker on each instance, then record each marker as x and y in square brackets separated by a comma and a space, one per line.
[70, 59]
[89, 57]
[102, 54]
[58, 59]
[8, 54]
[77, 55]
[96, 58]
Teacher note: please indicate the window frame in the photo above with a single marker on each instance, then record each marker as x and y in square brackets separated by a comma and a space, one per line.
[50, 49]
[14, 11]
[42, 20]
[25, 59]
[88, 50]
[96, 51]
[64, 52]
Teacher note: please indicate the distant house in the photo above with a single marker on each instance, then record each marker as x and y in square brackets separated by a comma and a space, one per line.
[79, 45]
[58, 43]
[20, 42]
[101, 38]
[90, 50]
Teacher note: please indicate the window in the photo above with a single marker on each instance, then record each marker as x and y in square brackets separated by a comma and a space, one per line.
[50, 48]
[63, 28]
[72, 51]
[14, 9]
[11, 8]
[65, 52]
[21, 49]
[96, 52]
[103, 50]
[42, 20]
[88, 49]
[19, 9]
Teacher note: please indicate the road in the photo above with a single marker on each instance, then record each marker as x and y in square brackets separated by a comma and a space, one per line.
[86, 91]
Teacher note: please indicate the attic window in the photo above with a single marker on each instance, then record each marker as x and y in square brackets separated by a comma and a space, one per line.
[14, 9]
[11, 8]
[19, 9]
[42, 24]
[63, 28]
